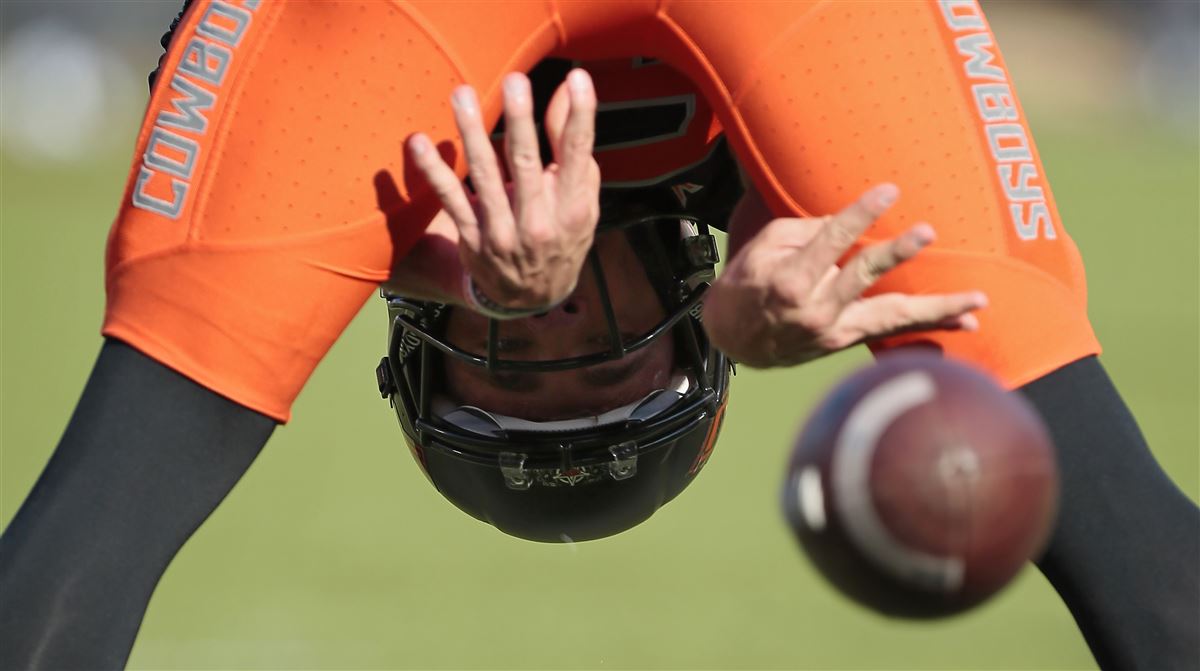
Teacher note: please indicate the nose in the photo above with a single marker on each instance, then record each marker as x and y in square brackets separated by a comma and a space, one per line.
[571, 313]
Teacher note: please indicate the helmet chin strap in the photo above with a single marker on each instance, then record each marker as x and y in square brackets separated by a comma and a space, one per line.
[484, 422]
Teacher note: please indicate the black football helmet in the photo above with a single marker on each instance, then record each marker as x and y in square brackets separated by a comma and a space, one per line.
[587, 478]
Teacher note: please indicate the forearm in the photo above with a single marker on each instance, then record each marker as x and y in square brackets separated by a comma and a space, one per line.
[146, 457]
[749, 217]
[1126, 549]
[433, 269]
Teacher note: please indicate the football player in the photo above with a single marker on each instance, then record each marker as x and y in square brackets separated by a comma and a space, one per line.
[819, 101]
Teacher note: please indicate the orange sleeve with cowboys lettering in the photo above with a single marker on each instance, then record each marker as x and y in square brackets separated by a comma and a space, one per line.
[269, 195]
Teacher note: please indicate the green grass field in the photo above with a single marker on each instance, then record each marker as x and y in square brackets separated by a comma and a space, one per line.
[333, 552]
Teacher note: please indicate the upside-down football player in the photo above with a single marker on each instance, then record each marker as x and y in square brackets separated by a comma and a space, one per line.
[819, 100]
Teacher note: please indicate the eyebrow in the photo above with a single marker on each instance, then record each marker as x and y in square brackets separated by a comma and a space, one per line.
[610, 375]
[509, 345]
[518, 344]
[512, 381]
[597, 376]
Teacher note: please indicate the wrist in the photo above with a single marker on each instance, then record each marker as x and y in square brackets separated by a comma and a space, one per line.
[480, 302]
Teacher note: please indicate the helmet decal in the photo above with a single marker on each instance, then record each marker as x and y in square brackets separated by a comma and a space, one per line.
[682, 191]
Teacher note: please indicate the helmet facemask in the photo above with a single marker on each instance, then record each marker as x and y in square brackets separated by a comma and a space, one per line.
[558, 460]
[668, 176]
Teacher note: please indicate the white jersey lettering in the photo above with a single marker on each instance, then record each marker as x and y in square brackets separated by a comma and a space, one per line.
[173, 149]
[1008, 142]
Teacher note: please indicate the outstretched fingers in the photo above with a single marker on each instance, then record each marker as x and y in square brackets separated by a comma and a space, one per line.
[870, 264]
[890, 314]
[571, 127]
[521, 143]
[447, 186]
[843, 229]
[486, 177]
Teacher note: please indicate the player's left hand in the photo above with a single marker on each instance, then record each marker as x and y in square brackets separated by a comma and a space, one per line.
[523, 245]
[782, 300]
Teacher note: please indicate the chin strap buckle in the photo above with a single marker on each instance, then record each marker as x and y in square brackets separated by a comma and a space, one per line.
[512, 467]
[624, 464]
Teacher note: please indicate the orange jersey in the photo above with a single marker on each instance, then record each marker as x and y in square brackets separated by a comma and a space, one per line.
[269, 193]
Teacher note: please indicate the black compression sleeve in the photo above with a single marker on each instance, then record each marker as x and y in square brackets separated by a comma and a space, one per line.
[1125, 554]
[146, 457]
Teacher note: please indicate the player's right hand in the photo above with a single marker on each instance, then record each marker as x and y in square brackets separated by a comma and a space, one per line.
[782, 300]
[522, 245]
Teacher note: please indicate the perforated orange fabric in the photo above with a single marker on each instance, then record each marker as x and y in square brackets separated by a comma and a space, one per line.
[269, 193]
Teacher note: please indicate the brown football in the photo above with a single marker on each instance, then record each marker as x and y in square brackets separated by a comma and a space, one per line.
[919, 487]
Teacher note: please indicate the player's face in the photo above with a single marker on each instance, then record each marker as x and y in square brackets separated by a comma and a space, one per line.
[575, 328]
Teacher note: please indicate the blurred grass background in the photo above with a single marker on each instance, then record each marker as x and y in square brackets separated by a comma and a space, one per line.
[334, 552]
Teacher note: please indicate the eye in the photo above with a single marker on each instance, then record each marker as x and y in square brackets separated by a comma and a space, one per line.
[517, 382]
[507, 345]
[604, 341]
